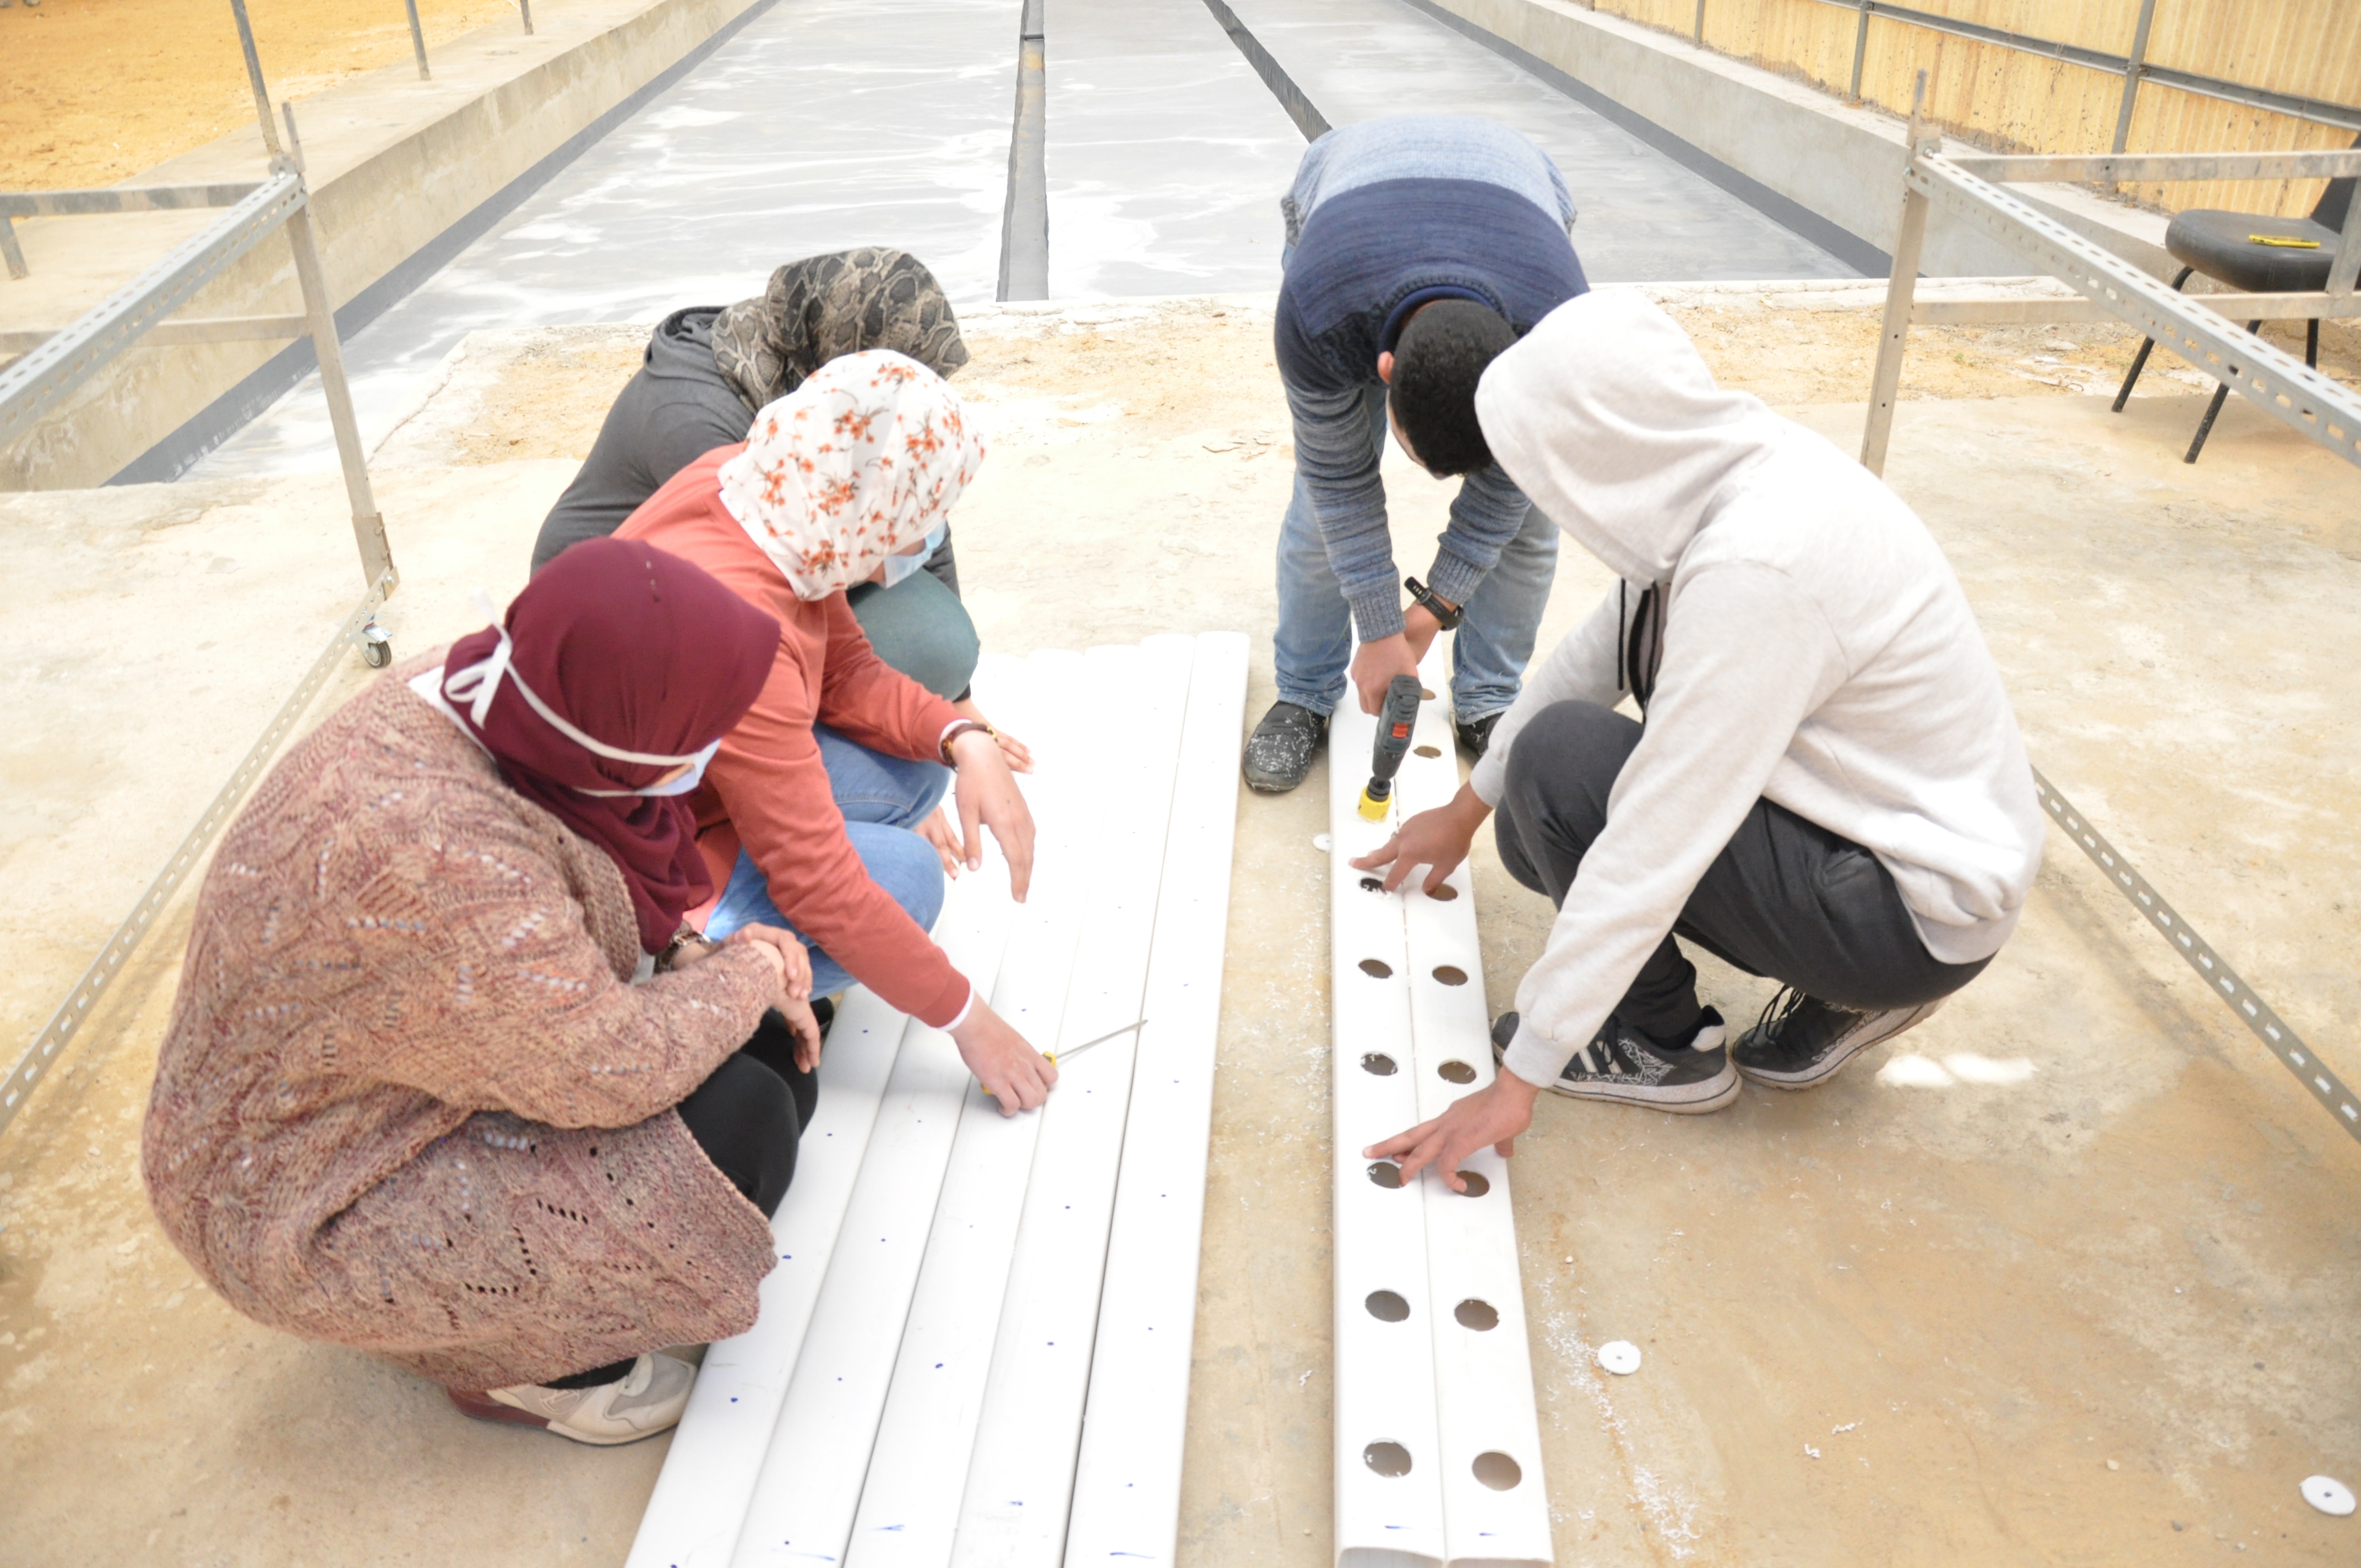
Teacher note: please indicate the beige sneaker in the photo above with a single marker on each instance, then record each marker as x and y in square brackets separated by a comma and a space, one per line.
[649, 1400]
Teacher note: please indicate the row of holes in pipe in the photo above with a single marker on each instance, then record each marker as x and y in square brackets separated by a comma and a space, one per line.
[1380, 1064]
[1449, 974]
[1442, 894]
[1496, 1470]
[1388, 1307]
[1385, 1173]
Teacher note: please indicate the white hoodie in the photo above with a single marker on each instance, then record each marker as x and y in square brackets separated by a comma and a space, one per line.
[1813, 648]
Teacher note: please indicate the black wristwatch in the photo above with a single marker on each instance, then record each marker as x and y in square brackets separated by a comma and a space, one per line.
[1445, 616]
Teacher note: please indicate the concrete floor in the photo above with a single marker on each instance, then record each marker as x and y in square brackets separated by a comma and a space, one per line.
[1166, 155]
[1643, 217]
[2066, 1276]
[828, 122]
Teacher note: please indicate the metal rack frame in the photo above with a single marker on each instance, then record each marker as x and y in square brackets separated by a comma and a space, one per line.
[53, 364]
[1968, 188]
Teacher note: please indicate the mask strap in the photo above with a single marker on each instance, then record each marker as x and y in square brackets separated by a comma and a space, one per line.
[476, 683]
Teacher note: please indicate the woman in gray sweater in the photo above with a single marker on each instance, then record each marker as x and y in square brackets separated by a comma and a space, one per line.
[710, 368]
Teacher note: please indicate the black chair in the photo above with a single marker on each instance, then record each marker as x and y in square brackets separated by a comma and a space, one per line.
[2225, 245]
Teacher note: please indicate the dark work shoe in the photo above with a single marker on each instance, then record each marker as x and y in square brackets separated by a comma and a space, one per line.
[1801, 1042]
[1475, 734]
[1622, 1065]
[1279, 751]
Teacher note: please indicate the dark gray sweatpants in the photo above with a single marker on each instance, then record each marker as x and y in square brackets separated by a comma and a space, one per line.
[1786, 899]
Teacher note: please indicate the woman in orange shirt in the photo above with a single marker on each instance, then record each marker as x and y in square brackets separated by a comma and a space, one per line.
[809, 814]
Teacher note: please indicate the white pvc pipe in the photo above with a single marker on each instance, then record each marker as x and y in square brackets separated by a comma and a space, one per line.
[1386, 1516]
[811, 1475]
[907, 1516]
[1495, 1502]
[708, 1479]
[1126, 1506]
[1020, 1477]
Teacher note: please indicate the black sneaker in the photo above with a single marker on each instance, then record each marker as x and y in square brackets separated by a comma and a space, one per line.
[1281, 750]
[1801, 1042]
[1475, 734]
[1622, 1065]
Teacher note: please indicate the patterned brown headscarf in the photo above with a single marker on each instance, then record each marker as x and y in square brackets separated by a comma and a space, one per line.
[824, 306]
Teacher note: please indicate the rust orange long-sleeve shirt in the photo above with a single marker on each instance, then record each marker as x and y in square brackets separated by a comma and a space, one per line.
[766, 788]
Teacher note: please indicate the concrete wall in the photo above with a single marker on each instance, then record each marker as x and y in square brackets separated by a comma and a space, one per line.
[394, 165]
[1842, 163]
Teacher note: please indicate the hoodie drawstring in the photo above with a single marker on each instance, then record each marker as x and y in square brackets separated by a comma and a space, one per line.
[1642, 651]
[1619, 682]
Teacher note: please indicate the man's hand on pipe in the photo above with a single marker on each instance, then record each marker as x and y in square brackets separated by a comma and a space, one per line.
[988, 797]
[1375, 665]
[1011, 1071]
[1440, 838]
[1495, 1115]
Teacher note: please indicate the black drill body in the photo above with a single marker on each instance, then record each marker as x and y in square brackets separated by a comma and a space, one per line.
[1395, 721]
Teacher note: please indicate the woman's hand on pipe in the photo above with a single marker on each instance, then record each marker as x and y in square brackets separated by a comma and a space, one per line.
[1496, 1115]
[793, 963]
[988, 796]
[805, 1024]
[1019, 755]
[1010, 1069]
[939, 831]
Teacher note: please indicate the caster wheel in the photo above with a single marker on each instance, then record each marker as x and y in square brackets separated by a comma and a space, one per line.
[377, 649]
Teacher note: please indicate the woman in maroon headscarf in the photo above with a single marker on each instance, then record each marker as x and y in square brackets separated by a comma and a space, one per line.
[445, 1080]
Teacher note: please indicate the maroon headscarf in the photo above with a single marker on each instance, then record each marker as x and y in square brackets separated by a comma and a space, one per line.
[642, 652]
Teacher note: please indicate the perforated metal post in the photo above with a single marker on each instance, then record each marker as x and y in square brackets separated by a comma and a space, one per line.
[1899, 292]
[2341, 273]
[2283, 1042]
[2135, 66]
[418, 41]
[1860, 49]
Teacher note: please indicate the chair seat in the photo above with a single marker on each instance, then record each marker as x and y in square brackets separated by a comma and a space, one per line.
[2216, 244]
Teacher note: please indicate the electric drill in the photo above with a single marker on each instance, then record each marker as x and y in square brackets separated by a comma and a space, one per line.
[1394, 721]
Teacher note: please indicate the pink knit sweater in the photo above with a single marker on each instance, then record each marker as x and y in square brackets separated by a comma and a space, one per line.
[409, 1100]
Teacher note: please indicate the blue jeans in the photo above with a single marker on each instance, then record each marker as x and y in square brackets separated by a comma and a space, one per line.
[883, 799]
[1314, 643]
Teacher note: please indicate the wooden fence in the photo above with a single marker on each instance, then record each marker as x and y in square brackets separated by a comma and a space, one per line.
[2012, 100]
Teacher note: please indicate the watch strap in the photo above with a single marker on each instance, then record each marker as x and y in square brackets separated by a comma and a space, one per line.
[1445, 616]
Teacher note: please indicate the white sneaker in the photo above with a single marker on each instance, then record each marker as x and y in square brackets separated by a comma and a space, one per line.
[646, 1401]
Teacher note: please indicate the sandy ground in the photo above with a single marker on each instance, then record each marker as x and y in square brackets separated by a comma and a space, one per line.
[95, 90]
[2067, 1276]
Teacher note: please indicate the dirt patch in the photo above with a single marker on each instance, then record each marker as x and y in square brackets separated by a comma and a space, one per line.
[95, 91]
[543, 392]
[1826, 356]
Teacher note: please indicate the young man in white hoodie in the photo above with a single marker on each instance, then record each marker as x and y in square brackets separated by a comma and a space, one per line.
[1826, 785]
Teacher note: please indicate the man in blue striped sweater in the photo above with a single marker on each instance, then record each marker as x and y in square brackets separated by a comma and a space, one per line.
[1418, 248]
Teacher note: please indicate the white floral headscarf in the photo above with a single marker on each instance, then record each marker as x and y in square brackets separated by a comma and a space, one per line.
[860, 461]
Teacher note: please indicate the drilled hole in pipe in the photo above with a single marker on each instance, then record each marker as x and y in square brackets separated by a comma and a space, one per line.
[1455, 1072]
[1477, 1184]
[1386, 1307]
[1428, 751]
[1372, 885]
[1445, 894]
[1476, 1315]
[1378, 1063]
[1376, 969]
[1451, 975]
[1388, 1459]
[1386, 1173]
[1498, 1471]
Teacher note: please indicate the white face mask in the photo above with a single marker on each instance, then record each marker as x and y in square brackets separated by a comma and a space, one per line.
[476, 685]
[899, 567]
